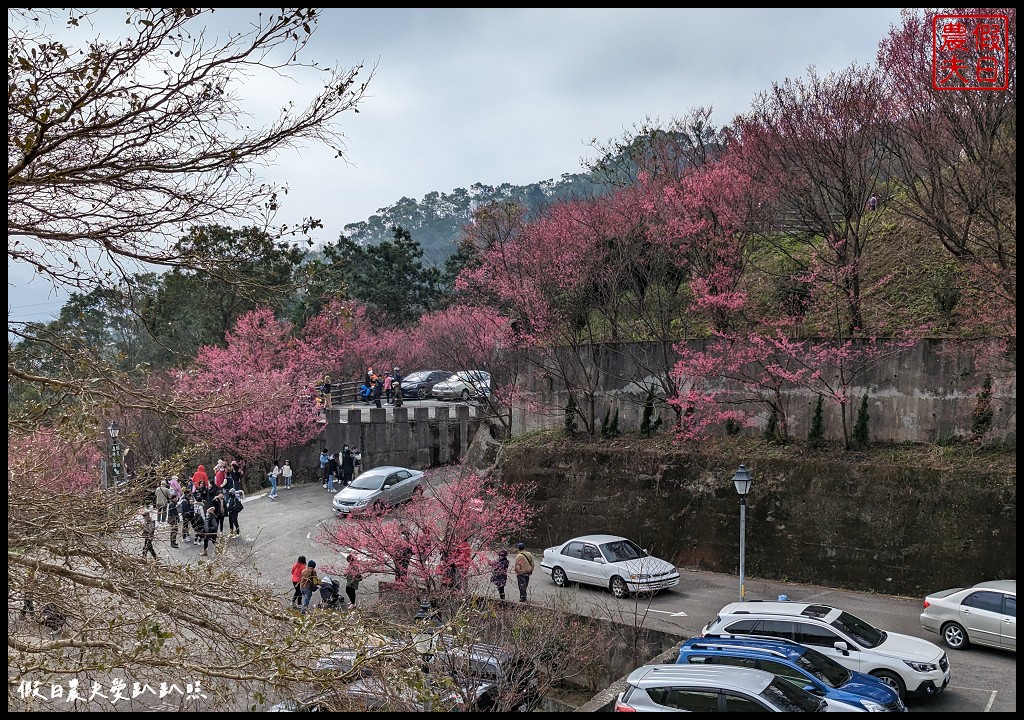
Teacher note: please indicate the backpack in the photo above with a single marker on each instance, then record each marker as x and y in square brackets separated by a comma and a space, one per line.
[365, 392]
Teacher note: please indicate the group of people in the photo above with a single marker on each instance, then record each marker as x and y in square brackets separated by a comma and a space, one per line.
[387, 386]
[282, 472]
[306, 581]
[523, 568]
[200, 505]
[339, 467]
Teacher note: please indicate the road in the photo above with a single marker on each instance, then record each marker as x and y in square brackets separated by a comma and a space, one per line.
[276, 532]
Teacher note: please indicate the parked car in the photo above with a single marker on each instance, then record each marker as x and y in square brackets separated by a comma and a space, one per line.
[909, 665]
[806, 667]
[418, 385]
[500, 679]
[698, 688]
[984, 614]
[377, 489]
[608, 561]
[464, 385]
[477, 676]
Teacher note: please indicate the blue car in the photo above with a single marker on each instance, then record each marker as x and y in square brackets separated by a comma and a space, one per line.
[803, 666]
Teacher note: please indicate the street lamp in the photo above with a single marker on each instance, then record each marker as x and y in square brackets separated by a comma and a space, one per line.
[115, 452]
[742, 481]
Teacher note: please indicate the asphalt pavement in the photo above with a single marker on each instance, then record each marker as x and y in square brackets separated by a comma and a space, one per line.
[276, 532]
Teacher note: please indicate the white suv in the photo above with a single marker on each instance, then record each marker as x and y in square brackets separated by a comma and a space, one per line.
[909, 665]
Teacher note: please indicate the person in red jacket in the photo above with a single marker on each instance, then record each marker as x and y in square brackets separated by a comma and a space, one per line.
[200, 480]
[297, 569]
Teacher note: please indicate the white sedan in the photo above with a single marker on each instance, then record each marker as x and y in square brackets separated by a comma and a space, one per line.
[608, 561]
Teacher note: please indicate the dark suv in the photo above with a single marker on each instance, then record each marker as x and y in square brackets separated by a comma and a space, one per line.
[417, 385]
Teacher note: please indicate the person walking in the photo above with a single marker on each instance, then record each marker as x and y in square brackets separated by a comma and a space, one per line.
[274, 472]
[348, 465]
[210, 530]
[332, 471]
[378, 391]
[387, 388]
[286, 474]
[499, 573]
[523, 568]
[234, 506]
[222, 511]
[234, 481]
[308, 582]
[198, 520]
[186, 512]
[396, 388]
[172, 520]
[325, 462]
[162, 498]
[148, 533]
[297, 568]
[352, 579]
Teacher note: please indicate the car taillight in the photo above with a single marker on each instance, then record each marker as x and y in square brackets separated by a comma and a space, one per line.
[926, 604]
[623, 707]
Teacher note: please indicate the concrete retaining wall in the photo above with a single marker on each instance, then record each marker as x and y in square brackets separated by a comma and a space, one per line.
[925, 393]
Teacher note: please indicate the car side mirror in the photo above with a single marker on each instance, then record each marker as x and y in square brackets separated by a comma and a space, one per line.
[842, 647]
[599, 560]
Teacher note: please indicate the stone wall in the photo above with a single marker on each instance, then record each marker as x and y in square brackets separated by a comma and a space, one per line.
[864, 524]
[413, 440]
[925, 393]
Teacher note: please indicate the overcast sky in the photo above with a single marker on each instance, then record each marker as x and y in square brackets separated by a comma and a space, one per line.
[515, 95]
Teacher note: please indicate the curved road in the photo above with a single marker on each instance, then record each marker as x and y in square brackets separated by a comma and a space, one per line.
[276, 532]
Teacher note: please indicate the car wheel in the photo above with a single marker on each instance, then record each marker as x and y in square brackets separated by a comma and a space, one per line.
[619, 588]
[894, 681]
[954, 636]
[417, 491]
[422, 394]
[378, 507]
[465, 396]
[558, 577]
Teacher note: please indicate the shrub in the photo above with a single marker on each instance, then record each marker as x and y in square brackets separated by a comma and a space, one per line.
[649, 424]
[732, 428]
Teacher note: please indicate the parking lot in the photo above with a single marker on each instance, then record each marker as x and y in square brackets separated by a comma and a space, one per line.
[982, 680]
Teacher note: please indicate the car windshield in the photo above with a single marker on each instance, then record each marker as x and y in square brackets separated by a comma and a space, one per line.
[787, 696]
[824, 668]
[863, 633]
[367, 481]
[621, 550]
[417, 376]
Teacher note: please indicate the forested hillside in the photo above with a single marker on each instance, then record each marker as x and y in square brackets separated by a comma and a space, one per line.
[436, 221]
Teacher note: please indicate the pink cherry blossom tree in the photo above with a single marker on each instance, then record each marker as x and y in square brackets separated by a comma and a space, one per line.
[253, 398]
[448, 532]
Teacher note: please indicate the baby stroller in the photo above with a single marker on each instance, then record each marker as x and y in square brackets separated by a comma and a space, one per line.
[330, 594]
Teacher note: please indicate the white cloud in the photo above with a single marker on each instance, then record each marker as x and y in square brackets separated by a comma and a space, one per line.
[514, 95]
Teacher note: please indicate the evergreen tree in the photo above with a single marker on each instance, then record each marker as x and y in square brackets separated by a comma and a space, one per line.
[613, 428]
[982, 415]
[860, 428]
[647, 425]
[816, 436]
[606, 423]
[570, 417]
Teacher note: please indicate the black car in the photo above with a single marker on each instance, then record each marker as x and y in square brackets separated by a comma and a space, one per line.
[417, 385]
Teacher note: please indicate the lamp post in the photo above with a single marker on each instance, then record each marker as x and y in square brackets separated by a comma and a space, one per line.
[116, 468]
[742, 481]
